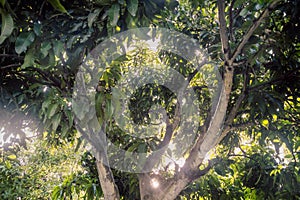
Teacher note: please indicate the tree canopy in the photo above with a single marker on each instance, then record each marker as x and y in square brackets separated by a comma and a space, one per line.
[246, 143]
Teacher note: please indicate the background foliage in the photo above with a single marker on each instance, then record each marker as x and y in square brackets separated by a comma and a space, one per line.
[44, 42]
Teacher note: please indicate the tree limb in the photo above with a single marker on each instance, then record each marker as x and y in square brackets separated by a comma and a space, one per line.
[231, 21]
[200, 173]
[254, 26]
[209, 139]
[223, 30]
[273, 81]
[161, 148]
[239, 101]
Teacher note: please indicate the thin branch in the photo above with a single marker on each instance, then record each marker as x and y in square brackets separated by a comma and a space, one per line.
[254, 26]
[273, 81]
[223, 30]
[47, 77]
[242, 126]
[209, 139]
[11, 55]
[156, 155]
[200, 173]
[10, 66]
[239, 101]
[242, 62]
[231, 21]
[239, 155]
[34, 80]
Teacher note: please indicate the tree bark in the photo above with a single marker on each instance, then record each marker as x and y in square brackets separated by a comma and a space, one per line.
[170, 188]
[107, 182]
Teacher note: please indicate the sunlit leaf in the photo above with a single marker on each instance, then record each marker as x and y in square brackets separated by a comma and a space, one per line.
[7, 25]
[2, 2]
[114, 14]
[57, 5]
[24, 40]
[93, 16]
[12, 157]
[132, 6]
[52, 110]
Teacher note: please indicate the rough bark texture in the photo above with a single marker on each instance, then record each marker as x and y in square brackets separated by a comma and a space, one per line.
[107, 182]
[170, 188]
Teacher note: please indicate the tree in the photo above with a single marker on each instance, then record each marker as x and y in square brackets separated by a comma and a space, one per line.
[254, 44]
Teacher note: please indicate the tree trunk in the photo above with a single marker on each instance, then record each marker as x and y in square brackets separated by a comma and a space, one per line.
[166, 190]
[107, 182]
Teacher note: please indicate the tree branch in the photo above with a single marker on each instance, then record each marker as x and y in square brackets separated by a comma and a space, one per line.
[223, 30]
[210, 138]
[231, 21]
[254, 26]
[273, 81]
[9, 66]
[239, 101]
[161, 148]
[11, 56]
[200, 173]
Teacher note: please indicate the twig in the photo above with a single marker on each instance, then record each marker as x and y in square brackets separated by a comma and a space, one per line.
[11, 55]
[262, 85]
[231, 21]
[254, 26]
[11, 65]
[239, 101]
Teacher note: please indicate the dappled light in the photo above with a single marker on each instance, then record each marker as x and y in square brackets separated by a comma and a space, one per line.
[150, 100]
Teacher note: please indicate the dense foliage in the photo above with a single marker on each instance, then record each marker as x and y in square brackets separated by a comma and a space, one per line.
[43, 44]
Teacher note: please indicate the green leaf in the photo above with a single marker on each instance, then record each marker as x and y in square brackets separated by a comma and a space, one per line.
[7, 25]
[57, 6]
[45, 104]
[238, 3]
[12, 157]
[108, 109]
[132, 7]
[45, 47]
[29, 59]
[56, 121]
[244, 12]
[58, 47]
[37, 28]
[70, 117]
[52, 110]
[2, 2]
[23, 41]
[92, 17]
[114, 14]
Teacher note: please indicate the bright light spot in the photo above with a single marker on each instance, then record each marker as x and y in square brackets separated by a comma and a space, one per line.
[153, 44]
[208, 156]
[180, 162]
[154, 183]
[1, 137]
[244, 115]
[45, 89]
